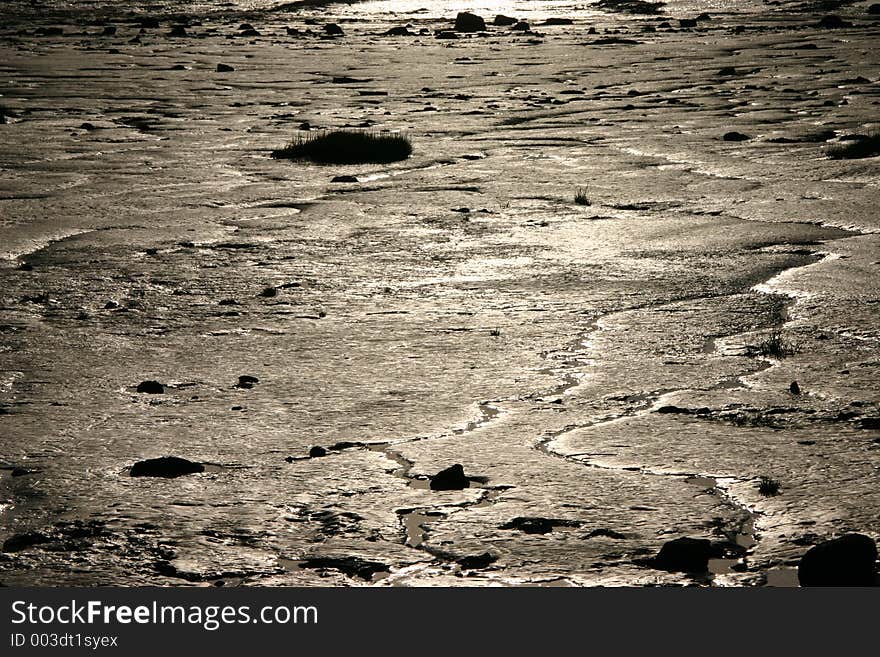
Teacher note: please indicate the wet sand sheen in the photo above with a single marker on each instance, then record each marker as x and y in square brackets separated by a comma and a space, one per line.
[537, 342]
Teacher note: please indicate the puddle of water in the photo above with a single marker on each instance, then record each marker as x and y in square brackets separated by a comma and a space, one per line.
[413, 523]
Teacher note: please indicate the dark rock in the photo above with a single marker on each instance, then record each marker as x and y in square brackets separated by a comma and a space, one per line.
[19, 542]
[446, 34]
[607, 533]
[166, 466]
[350, 566]
[333, 30]
[452, 478]
[831, 22]
[684, 555]
[246, 382]
[874, 10]
[522, 26]
[224, 68]
[558, 21]
[21, 472]
[178, 31]
[149, 23]
[249, 33]
[151, 388]
[870, 423]
[25, 267]
[687, 22]
[400, 30]
[728, 71]
[735, 136]
[344, 179]
[703, 18]
[639, 7]
[794, 388]
[845, 561]
[317, 451]
[110, 30]
[531, 525]
[477, 561]
[503, 21]
[269, 292]
[468, 22]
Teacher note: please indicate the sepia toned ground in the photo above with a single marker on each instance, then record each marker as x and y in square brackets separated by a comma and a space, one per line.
[603, 371]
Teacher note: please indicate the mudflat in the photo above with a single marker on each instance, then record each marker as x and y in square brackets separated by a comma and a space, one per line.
[689, 349]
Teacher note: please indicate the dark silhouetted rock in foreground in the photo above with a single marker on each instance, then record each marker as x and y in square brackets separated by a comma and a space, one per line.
[870, 423]
[351, 566]
[452, 478]
[344, 179]
[794, 388]
[684, 555]
[845, 561]
[529, 525]
[317, 451]
[874, 10]
[178, 31]
[558, 21]
[333, 29]
[468, 22]
[735, 136]
[151, 388]
[166, 466]
[477, 561]
[522, 26]
[224, 68]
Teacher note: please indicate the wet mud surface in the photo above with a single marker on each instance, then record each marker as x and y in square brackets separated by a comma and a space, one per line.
[610, 376]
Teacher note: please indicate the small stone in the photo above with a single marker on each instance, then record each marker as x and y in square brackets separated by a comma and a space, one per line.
[477, 561]
[269, 292]
[345, 179]
[503, 21]
[684, 555]
[794, 388]
[224, 68]
[151, 388]
[468, 22]
[735, 136]
[317, 452]
[168, 467]
[452, 478]
[333, 29]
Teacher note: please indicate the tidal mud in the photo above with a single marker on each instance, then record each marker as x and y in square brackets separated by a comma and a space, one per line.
[611, 376]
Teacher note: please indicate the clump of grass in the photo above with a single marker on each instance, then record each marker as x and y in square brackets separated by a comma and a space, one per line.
[768, 487]
[581, 198]
[860, 146]
[347, 147]
[775, 345]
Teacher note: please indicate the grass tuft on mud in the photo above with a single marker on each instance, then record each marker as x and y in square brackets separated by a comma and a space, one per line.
[768, 487]
[774, 345]
[347, 147]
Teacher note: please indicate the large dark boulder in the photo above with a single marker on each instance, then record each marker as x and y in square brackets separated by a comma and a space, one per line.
[685, 555]
[846, 561]
[468, 22]
[452, 478]
[166, 466]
